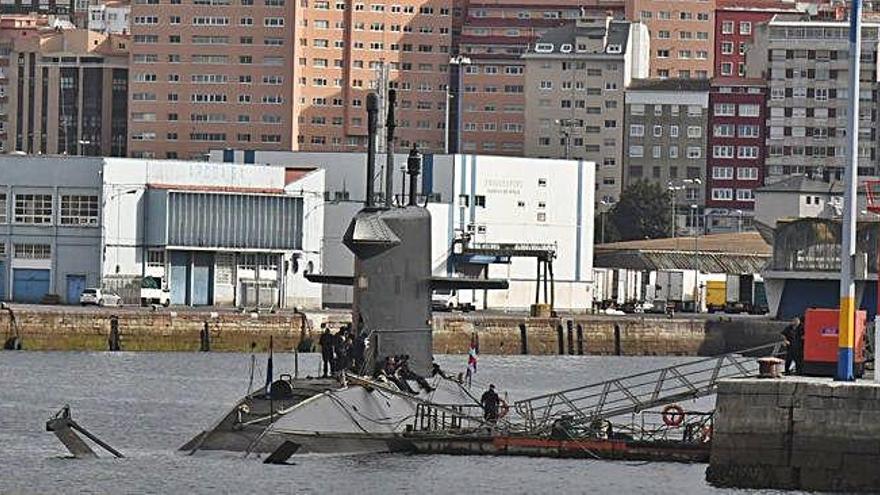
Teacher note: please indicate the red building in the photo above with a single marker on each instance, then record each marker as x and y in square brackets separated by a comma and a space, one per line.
[736, 151]
[735, 21]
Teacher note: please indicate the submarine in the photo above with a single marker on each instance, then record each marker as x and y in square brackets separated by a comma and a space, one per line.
[359, 411]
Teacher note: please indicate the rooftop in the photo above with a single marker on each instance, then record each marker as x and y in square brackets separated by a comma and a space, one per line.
[733, 253]
[802, 184]
[564, 40]
[669, 85]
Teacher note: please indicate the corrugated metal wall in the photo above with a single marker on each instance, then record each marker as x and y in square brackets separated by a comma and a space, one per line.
[242, 221]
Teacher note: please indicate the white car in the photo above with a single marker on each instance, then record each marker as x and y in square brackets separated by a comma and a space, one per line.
[99, 298]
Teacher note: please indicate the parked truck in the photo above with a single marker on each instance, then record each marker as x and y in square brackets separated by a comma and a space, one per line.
[745, 293]
[674, 290]
[716, 295]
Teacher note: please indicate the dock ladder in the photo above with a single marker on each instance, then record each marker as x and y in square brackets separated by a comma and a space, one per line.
[634, 393]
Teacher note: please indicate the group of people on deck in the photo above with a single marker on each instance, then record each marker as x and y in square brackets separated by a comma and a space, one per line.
[396, 370]
[342, 351]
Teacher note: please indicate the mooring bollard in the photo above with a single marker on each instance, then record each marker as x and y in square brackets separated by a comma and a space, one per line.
[617, 340]
[523, 339]
[205, 339]
[570, 325]
[113, 340]
[561, 339]
[580, 339]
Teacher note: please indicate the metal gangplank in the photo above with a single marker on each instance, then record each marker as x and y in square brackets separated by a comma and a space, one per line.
[634, 393]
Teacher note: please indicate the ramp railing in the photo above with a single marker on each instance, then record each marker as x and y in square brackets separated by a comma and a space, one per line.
[634, 393]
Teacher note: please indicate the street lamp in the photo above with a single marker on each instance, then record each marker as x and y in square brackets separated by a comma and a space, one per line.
[603, 210]
[697, 304]
[118, 222]
[460, 61]
[739, 220]
[673, 189]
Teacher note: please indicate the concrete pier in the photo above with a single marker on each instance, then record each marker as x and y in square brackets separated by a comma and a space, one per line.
[797, 433]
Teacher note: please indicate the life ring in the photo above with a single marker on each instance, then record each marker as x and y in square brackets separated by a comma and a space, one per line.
[706, 434]
[503, 409]
[673, 415]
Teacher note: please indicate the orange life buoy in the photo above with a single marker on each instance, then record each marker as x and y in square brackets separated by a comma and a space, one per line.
[673, 415]
[503, 409]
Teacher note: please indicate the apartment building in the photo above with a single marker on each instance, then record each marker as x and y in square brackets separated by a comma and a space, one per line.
[735, 21]
[54, 7]
[281, 74]
[735, 164]
[12, 29]
[210, 73]
[110, 17]
[682, 35]
[575, 79]
[493, 37]
[344, 49]
[806, 68]
[665, 140]
[68, 93]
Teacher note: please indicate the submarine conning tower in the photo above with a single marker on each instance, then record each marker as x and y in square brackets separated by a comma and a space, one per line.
[392, 268]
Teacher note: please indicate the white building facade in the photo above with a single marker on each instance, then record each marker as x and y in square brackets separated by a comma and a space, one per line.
[211, 235]
[491, 198]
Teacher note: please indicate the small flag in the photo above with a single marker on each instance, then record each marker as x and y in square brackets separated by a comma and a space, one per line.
[269, 367]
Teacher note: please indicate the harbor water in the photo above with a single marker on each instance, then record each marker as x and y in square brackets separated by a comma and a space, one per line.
[148, 404]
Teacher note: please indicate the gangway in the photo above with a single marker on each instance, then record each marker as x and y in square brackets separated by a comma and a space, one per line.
[582, 406]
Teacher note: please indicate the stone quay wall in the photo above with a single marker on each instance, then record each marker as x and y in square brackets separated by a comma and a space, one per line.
[168, 330]
[798, 433]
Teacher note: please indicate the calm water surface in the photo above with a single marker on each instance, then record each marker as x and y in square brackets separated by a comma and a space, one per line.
[148, 404]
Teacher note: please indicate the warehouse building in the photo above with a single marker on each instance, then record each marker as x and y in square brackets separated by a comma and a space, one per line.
[207, 234]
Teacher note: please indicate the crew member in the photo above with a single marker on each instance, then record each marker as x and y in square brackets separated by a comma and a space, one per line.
[326, 342]
[490, 401]
[407, 374]
[794, 342]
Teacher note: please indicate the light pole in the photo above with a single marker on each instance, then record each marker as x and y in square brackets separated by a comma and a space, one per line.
[459, 61]
[673, 189]
[109, 198]
[697, 304]
[739, 220]
[846, 323]
[605, 206]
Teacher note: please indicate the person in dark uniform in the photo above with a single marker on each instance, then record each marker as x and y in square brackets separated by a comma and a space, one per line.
[326, 341]
[794, 342]
[490, 401]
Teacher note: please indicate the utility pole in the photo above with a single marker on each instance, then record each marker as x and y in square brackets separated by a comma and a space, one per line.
[846, 333]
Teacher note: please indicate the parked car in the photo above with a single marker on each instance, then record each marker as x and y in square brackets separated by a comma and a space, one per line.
[98, 297]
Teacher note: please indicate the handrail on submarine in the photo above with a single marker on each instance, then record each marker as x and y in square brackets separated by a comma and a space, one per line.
[640, 391]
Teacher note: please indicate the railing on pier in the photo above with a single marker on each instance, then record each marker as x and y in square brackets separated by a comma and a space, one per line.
[634, 393]
[446, 417]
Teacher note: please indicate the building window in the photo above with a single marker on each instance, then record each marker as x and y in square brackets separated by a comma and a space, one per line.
[658, 130]
[694, 152]
[749, 110]
[722, 173]
[727, 27]
[747, 173]
[636, 151]
[79, 210]
[32, 251]
[3, 208]
[694, 132]
[636, 130]
[33, 208]
[722, 194]
[156, 258]
[745, 27]
[744, 195]
[748, 152]
[673, 130]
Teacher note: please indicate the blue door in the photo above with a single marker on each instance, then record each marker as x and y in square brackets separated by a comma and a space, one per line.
[2, 281]
[76, 284]
[178, 277]
[28, 285]
[202, 279]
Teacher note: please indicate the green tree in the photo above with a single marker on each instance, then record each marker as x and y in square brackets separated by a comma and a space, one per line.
[643, 212]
